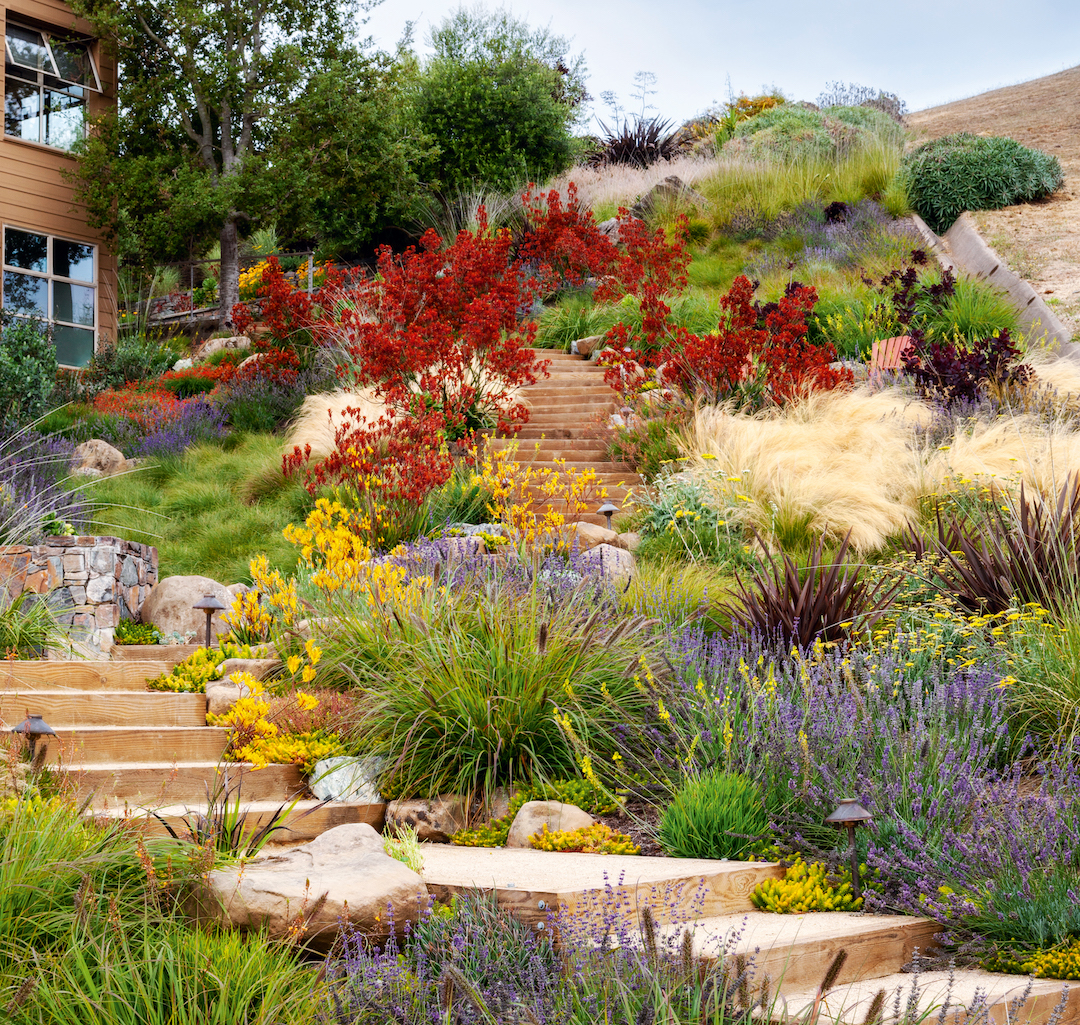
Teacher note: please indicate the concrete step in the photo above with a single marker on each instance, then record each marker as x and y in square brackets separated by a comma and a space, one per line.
[160, 782]
[58, 675]
[104, 708]
[532, 884]
[305, 821]
[797, 950]
[82, 746]
[922, 997]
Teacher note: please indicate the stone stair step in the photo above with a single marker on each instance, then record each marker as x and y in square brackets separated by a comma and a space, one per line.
[604, 469]
[147, 782]
[103, 708]
[550, 450]
[305, 821]
[531, 884]
[962, 989]
[57, 675]
[559, 431]
[797, 950]
[81, 746]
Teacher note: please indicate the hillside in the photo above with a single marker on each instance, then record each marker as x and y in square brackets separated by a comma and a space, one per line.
[1041, 241]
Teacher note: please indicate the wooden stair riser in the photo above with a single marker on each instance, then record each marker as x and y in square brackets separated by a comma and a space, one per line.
[77, 748]
[169, 784]
[103, 708]
[28, 676]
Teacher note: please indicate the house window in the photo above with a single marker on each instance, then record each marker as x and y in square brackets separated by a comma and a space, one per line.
[46, 83]
[53, 278]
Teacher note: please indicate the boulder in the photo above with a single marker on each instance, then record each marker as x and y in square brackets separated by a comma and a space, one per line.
[214, 345]
[589, 535]
[169, 606]
[671, 189]
[238, 589]
[586, 346]
[534, 815]
[347, 779]
[615, 565]
[97, 458]
[630, 540]
[435, 819]
[222, 694]
[341, 878]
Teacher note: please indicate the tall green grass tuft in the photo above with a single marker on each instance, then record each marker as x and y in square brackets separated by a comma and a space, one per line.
[718, 815]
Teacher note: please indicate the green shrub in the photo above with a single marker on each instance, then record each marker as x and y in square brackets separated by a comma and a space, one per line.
[27, 368]
[791, 130]
[718, 815]
[27, 625]
[972, 172]
[134, 357]
[130, 632]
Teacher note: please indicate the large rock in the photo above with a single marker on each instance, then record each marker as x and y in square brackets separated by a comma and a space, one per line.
[534, 815]
[671, 190]
[589, 535]
[435, 819]
[97, 458]
[348, 779]
[616, 565]
[343, 877]
[169, 607]
[215, 345]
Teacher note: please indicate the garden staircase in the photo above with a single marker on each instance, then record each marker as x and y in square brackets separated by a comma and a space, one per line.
[568, 420]
[129, 750]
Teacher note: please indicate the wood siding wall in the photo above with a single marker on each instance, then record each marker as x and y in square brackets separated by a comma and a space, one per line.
[33, 192]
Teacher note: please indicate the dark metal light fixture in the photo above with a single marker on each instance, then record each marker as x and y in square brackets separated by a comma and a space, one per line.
[848, 815]
[209, 605]
[34, 726]
[607, 509]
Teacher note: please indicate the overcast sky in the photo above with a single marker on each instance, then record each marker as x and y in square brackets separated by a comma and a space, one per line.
[926, 51]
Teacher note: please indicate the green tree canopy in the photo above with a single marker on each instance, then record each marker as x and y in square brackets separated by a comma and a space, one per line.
[230, 111]
[500, 100]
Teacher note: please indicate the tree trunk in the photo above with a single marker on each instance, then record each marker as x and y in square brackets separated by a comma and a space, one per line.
[229, 282]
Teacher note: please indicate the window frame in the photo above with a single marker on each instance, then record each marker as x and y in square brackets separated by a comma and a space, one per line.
[49, 80]
[51, 278]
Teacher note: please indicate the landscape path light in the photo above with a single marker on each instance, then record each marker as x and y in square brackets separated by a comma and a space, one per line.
[849, 814]
[607, 509]
[209, 605]
[32, 727]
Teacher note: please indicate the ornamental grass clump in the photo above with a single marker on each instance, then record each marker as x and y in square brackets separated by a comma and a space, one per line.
[717, 815]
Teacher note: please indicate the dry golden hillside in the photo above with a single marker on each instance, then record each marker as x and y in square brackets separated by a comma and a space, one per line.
[1041, 241]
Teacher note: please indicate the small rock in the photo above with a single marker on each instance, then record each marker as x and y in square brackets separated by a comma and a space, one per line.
[363, 886]
[534, 815]
[435, 819]
[586, 346]
[98, 458]
[630, 540]
[218, 344]
[347, 779]
[186, 363]
[222, 694]
[615, 565]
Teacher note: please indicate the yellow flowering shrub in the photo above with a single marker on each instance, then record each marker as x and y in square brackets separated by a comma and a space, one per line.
[203, 665]
[594, 839]
[1061, 961]
[809, 887]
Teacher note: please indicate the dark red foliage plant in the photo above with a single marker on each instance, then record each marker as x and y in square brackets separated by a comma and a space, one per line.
[759, 354]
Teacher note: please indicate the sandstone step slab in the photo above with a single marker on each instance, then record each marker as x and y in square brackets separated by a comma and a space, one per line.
[561, 431]
[552, 450]
[306, 820]
[797, 950]
[961, 990]
[104, 708]
[574, 410]
[603, 468]
[533, 884]
[58, 674]
[82, 746]
[148, 782]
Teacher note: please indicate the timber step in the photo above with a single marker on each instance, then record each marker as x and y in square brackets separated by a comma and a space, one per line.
[304, 820]
[161, 782]
[64, 708]
[55, 675]
[80, 746]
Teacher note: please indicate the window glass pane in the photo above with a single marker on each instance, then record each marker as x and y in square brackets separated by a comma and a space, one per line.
[73, 303]
[25, 249]
[72, 260]
[73, 62]
[74, 345]
[63, 119]
[26, 46]
[22, 102]
[24, 292]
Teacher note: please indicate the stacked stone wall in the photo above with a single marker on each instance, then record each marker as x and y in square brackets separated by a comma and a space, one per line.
[90, 582]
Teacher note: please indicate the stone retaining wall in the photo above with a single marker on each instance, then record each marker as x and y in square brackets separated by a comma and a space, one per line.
[92, 582]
